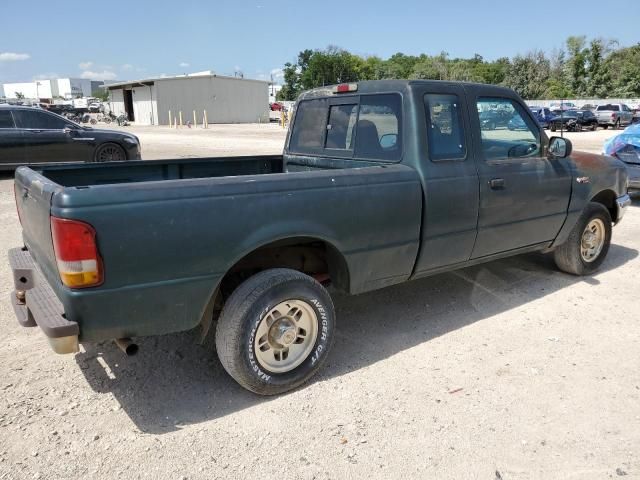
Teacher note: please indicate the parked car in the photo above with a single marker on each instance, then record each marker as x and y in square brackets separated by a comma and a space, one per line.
[492, 119]
[574, 120]
[614, 115]
[517, 123]
[543, 115]
[249, 244]
[30, 136]
[589, 106]
[626, 147]
[563, 106]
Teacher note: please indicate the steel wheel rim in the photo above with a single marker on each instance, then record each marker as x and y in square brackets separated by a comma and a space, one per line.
[285, 336]
[109, 154]
[592, 240]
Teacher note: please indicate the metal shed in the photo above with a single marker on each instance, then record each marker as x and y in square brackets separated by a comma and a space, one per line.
[225, 99]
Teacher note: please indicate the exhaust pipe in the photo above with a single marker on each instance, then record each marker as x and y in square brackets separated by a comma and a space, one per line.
[127, 346]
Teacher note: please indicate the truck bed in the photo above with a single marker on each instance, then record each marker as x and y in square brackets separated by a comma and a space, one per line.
[168, 231]
[157, 170]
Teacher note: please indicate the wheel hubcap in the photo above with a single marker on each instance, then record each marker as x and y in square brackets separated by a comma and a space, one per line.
[109, 154]
[285, 336]
[592, 240]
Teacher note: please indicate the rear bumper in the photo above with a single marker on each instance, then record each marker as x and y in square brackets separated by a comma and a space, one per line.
[35, 304]
[634, 176]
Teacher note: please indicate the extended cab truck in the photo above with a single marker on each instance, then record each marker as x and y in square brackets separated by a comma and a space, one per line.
[614, 115]
[380, 182]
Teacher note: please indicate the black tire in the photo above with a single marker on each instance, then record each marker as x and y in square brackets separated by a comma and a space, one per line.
[553, 127]
[606, 127]
[109, 152]
[577, 127]
[568, 257]
[617, 125]
[241, 317]
[594, 127]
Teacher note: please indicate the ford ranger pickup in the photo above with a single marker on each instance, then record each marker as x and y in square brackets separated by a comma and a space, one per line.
[379, 183]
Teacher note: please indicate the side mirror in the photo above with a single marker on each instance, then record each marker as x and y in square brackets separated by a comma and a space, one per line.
[389, 140]
[560, 147]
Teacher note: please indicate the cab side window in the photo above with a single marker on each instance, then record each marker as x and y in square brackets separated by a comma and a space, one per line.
[444, 127]
[507, 132]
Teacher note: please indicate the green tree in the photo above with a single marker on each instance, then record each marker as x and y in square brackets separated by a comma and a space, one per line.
[576, 70]
[528, 75]
[291, 88]
[598, 76]
[624, 65]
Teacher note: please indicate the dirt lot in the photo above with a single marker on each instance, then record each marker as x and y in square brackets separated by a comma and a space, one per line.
[509, 370]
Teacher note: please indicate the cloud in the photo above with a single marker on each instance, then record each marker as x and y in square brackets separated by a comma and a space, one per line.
[126, 66]
[13, 57]
[184, 64]
[85, 65]
[46, 76]
[277, 74]
[104, 75]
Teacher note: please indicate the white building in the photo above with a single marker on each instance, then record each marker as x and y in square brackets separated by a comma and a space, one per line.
[51, 88]
[224, 99]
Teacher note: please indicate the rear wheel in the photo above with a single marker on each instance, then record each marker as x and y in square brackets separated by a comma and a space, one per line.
[275, 331]
[109, 152]
[588, 243]
[606, 127]
[594, 127]
[553, 127]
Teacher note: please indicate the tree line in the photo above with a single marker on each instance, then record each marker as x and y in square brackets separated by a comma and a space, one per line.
[583, 68]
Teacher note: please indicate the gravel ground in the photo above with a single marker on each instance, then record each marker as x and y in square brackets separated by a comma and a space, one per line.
[508, 370]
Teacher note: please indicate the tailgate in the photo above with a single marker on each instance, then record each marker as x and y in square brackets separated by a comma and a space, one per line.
[33, 200]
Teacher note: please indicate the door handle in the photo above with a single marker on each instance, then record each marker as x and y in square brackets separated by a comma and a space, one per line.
[496, 183]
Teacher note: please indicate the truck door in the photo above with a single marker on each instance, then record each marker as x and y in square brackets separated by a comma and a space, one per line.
[449, 177]
[524, 196]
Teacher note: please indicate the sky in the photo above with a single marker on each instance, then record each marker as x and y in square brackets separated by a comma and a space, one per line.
[125, 39]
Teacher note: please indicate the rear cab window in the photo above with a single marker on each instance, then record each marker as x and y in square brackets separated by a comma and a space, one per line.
[356, 126]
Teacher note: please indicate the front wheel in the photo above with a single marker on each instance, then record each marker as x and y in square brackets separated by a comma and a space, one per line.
[588, 243]
[275, 331]
[553, 127]
[109, 152]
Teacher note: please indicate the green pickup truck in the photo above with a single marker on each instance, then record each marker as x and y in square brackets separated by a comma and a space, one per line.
[380, 182]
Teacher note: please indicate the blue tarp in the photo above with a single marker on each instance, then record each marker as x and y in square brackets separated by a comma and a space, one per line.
[630, 136]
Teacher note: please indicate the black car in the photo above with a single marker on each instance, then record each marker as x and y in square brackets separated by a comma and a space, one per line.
[31, 135]
[492, 119]
[574, 121]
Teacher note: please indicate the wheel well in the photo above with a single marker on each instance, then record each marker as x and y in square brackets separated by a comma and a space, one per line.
[608, 199]
[314, 257]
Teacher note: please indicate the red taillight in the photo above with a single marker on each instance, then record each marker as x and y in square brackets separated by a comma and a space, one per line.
[613, 115]
[345, 87]
[74, 244]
